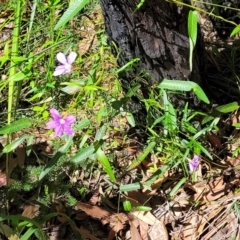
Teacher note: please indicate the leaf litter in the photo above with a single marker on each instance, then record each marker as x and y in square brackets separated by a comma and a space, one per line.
[199, 210]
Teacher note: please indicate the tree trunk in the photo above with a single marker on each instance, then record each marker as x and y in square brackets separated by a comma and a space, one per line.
[156, 34]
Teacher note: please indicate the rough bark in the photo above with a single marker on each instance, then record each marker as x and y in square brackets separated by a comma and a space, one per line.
[156, 34]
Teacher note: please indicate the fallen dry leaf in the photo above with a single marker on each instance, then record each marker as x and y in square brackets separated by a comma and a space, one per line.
[143, 228]
[5, 230]
[3, 179]
[93, 211]
[214, 140]
[21, 155]
[30, 211]
[146, 217]
[134, 232]
[85, 233]
[158, 231]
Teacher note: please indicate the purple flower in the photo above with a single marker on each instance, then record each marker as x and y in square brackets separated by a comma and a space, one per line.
[193, 164]
[66, 63]
[59, 124]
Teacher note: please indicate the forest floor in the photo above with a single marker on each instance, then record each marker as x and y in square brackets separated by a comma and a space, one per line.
[76, 165]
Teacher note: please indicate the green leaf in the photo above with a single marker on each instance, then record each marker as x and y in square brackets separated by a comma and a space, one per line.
[71, 89]
[17, 77]
[13, 145]
[127, 206]
[192, 26]
[185, 86]
[128, 65]
[177, 187]
[236, 125]
[20, 218]
[227, 108]
[72, 10]
[100, 133]
[159, 173]
[61, 151]
[191, 47]
[201, 94]
[16, 126]
[130, 119]
[235, 31]
[142, 156]
[84, 123]
[130, 187]
[102, 158]
[143, 208]
[28, 233]
[192, 32]
[83, 154]
[29, 144]
[170, 120]
[177, 85]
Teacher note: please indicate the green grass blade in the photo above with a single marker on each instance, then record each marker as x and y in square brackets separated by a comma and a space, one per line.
[33, 12]
[192, 26]
[143, 208]
[83, 154]
[16, 126]
[177, 187]
[235, 31]
[142, 156]
[192, 32]
[72, 10]
[191, 47]
[61, 151]
[13, 145]
[227, 108]
[102, 158]
[201, 94]
[28, 233]
[130, 187]
[14, 53]
[84, 123]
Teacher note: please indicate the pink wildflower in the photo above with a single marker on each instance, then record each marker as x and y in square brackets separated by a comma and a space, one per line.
[66, 63]
[59, 124]
[193, 164]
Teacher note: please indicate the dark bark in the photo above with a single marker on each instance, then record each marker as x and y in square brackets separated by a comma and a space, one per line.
[157, 35]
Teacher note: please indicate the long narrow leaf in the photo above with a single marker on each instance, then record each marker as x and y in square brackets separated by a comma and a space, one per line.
[16, 126]
[142, 156]
[185, 86]
[28, 233]
[192, 26]
[13, 145]
[83, 154]
[178, 185]
[61, 151]
[72, 10]
[102, 158]
[130, 187]
[192, 32]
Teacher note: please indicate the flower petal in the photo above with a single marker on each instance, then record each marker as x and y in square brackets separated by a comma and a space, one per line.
[61, 58]
[68, 130]
[52, 124]
[70, 119]
[59, 130]
[60, 70]
[55, 114]
[71, 57]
